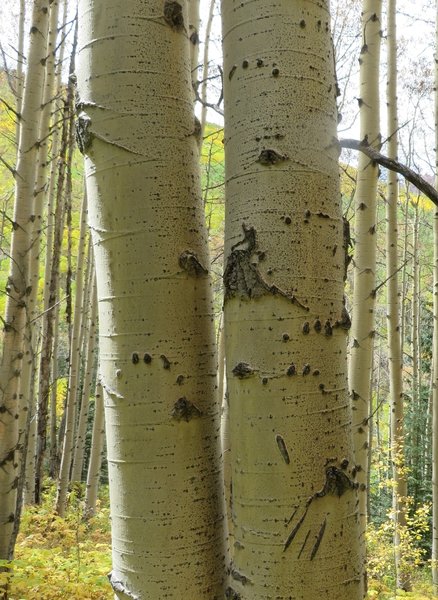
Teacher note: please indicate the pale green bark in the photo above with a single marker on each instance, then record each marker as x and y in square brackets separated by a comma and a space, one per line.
[205, 67]
[292, 465]
[395, 359]
[18, 287]
[435, 350]
[193, 33]
[51, 313]
[73, 375]
[97, 446]
[364, 274]
[19, 71]
[88, 367]
[27, 422]
[156, 337]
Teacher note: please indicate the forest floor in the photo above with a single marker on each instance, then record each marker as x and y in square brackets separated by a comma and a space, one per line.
[69, 559]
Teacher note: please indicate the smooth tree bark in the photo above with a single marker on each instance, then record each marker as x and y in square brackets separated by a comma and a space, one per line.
[364, 260]
[18, 285]
[293, 475]
[74, 368]
[96, 455]
[435, 348]
[27, 395]
[19, 70]
[51, 310]
[89, 345]
[395, 360]
[137, 130]
[205, 67]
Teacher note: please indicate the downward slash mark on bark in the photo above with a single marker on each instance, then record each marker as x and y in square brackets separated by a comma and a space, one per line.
[336, 484]
[282, 447]
[318, 540]
[304, 544]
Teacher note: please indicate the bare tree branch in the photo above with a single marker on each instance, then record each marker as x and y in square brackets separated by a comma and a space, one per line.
[393, 165]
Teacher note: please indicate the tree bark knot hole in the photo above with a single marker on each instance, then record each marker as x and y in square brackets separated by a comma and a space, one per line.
[242, 277]
[269, 156]
[173, 15]
[189, 262]
[184, 410]
[84, 136]
[243, 370]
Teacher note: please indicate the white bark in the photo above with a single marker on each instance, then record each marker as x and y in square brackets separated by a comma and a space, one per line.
[435, 352]
[156, 338]
[18, 286]
[73, 376]
[96, 455]
[393, 310]
[293, 477]
[88, 366]
[27, 395]
[362, 330]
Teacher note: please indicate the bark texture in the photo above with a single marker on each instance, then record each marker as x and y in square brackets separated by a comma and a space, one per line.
[362, 331]
[435, 353]
[18, 285]
[293, 488]
[157, 353]
[400, 490]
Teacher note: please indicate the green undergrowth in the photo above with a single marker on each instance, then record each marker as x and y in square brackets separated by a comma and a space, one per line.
[59, 558]
[68, 559]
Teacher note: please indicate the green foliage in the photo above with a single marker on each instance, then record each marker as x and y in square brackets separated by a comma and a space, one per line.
[381, 554]
[62, 558]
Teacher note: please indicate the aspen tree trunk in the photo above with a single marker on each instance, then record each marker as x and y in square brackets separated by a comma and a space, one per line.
[292, 464]
[89, 347]
[205, 67]
[416, 408]
[364, 274]
[156, 337]
[28, 405]
[193, 33]
[18, 288]
[19, 71]
[395, 360]
[435, 346]
[52, 179]
[73, 375]
[51, 312]
[96, 455]
[53, 458]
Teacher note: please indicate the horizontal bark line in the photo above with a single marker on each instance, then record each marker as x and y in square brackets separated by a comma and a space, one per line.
[393, 165]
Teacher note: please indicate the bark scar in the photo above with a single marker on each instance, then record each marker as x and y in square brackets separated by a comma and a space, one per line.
[336, 483]
[283, 448]
[84, 136]
[173, 15]
[185, 410]
[242, 277]
[119, 586]
[188, 261]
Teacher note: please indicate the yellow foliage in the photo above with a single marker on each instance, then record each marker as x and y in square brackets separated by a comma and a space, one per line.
[60, 559]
